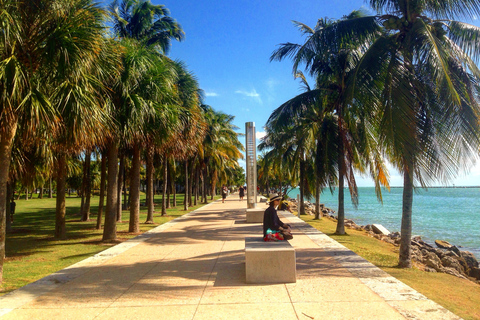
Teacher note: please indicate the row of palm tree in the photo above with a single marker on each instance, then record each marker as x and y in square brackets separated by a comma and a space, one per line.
[401, 85]
[71, 88]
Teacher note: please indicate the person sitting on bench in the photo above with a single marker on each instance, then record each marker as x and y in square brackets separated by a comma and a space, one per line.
[273, 227]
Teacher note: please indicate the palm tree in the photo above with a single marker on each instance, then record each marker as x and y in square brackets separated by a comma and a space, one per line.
[145, 28]
[332, 59]
[220, 145]
[428, 105]
[43, 44]
[145, 22]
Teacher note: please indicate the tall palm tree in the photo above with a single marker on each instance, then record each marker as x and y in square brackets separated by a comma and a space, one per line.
[332, 59]
[428, 105]
[146, 28]
[220, 144]
[44, 43]
[145, 22]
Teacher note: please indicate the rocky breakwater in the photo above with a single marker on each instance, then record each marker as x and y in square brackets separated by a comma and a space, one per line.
[445, 258]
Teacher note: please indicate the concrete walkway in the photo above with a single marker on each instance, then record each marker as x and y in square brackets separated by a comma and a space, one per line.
[194, 268]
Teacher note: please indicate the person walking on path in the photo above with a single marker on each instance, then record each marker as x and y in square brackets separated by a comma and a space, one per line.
[224, 193]
[273, 227]
[241, 193]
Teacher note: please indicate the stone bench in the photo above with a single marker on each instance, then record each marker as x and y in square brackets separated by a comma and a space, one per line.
[255, 215]
[269, 262]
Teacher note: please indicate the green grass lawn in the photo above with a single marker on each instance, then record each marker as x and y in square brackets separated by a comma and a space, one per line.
[462, 297]
[32, 253]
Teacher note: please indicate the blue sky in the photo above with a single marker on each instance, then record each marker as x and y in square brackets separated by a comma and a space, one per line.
[228, 45]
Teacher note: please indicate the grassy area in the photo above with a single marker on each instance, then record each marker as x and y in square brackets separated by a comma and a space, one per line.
[460, 296]
[32, 253]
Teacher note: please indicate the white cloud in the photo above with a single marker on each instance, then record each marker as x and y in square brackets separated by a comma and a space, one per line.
[251, 94]
[272, 84]
[211, 94]
[260, 135]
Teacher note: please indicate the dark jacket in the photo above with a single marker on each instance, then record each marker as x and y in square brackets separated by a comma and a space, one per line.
[271, 220]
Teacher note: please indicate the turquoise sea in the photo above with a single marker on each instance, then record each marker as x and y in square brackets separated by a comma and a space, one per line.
[451, 214]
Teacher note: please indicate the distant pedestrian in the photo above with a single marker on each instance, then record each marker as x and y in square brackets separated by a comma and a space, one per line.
[241, 193]
[224, 193]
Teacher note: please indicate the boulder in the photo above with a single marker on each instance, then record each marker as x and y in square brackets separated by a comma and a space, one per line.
[470, 259]
[454, 272]
[451, 254]
[428, 269]
[443, 244]
[453, 263]
[368, 227]
[475, 273]
[431, 260]
[379, 229]
[456, 250]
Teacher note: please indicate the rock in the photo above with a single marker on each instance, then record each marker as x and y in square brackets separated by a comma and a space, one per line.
[454, 272]
[451, 254]
[394, 235]
[475, 273]
[470, 259]
[431, 260]
[456, 250]
[379, 229]
[443, 244]
[450, 262]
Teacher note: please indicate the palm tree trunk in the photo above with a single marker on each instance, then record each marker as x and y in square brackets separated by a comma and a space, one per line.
[50, 191]
[134, 224]
[317, 199]
[8, 127]
[60, 226]
[406, 228]
[197, 189]
[341, 192]
[110, 227]
[174, 191]
[190, 189]
[168, 186]
[83, 188]
[8, 213]
[214, 183]
[165, 185]
[26, 194]
[87, 187]
[40, 195]
[302, 187]
[185, 200]
[120, 185]
[204, 185]
[150, 169]
[103, 179]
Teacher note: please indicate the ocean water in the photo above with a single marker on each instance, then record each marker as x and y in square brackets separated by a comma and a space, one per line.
[451, 214]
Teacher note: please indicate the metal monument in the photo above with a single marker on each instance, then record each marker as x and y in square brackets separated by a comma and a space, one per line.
[251, 160]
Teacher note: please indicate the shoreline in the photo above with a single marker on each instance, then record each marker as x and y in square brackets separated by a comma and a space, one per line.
[444, 258]
[438, 213]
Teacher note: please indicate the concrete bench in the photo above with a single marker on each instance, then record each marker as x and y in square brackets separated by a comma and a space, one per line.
[269, 262]
[255, 215]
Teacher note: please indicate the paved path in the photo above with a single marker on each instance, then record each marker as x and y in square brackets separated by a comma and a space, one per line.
[194, 268]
